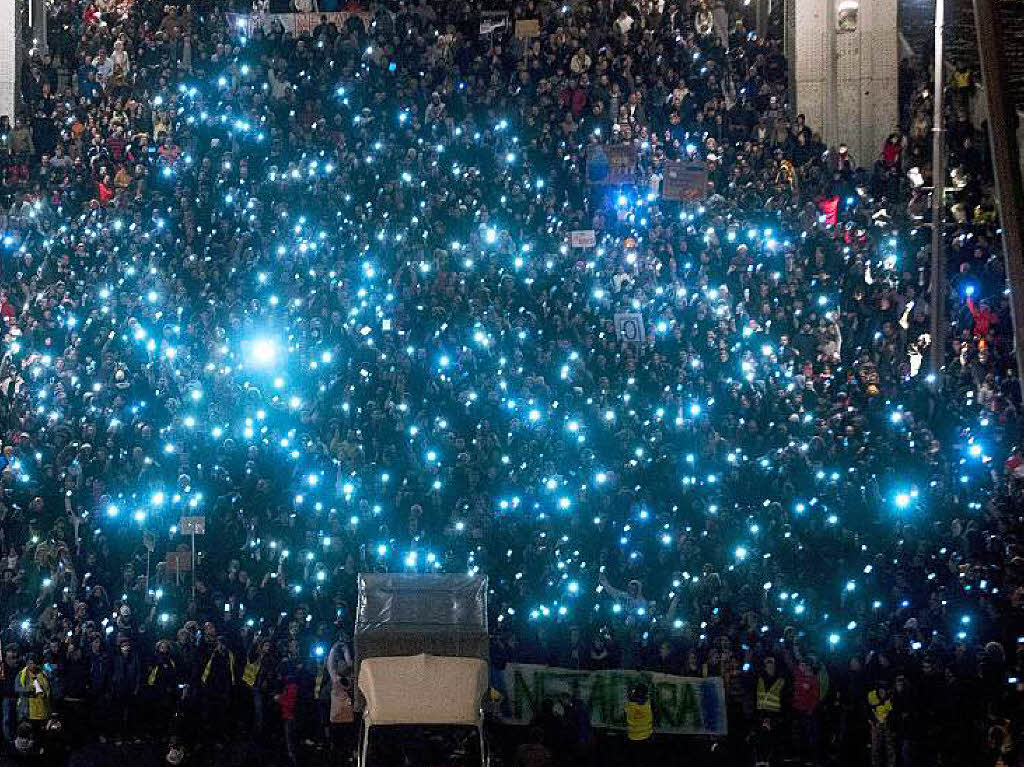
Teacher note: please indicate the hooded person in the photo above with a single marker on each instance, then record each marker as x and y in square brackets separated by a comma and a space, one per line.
[217, 683]
[161, 685]
[339, 668]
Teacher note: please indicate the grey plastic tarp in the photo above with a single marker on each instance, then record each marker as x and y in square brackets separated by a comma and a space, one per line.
[404, 614]
[425, 602]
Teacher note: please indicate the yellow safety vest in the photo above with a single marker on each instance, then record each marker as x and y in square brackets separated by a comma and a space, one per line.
[878, 708]
[155, 671]
[231, 667]
[770, 699]
[250, 672]
[639, 720]
[38, 706]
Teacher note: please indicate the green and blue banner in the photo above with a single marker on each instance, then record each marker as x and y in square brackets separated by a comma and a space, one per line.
[681, 705]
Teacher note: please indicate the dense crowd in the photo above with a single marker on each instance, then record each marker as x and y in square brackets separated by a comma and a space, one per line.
[320, 289]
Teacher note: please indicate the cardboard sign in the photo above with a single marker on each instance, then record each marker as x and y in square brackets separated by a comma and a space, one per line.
[611, 164]
[583, 238]
[527, 28]
[684, 181]
[179, 561]
[630, 327]
[192, 526]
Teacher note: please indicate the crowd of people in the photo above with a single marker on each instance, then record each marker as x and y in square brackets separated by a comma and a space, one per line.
[320, 289]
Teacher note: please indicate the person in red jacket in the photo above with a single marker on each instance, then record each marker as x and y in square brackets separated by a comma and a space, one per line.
[105, 190]
[807, 691]
[829, 207]
[288, 700]
[8, 311]
[892, 151]
[984, 318]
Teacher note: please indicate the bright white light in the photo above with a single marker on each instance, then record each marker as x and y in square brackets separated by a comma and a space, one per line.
[263, 351]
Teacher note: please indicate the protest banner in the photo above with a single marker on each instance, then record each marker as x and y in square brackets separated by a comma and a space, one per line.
[611, 164]
[292, 23]
[684, 181]
[630, 327]
[583, 238]
[681, 705]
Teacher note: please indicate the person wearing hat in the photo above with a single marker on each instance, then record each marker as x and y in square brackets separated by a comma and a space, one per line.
[257, 676]
[161, 688]
[984, 316]
[632, 597]
[769, 701]
[125, 683]
[217, 684]
[770, 688]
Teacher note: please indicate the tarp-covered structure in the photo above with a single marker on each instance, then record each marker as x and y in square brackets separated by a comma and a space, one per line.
[422, 689]
[409, 614]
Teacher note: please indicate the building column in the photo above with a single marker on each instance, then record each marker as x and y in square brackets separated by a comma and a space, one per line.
[9, 25]
[844, 77]
[762, 10]
[37, 23]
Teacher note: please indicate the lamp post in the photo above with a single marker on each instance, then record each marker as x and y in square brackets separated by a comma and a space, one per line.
[938, 273]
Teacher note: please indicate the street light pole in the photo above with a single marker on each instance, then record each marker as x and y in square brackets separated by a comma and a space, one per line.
[937, 349]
